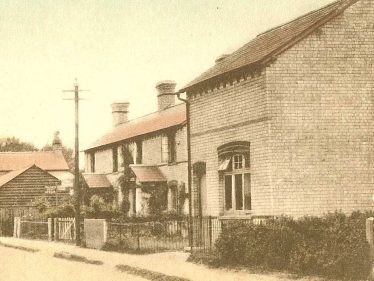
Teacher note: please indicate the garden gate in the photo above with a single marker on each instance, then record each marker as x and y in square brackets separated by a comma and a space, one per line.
[65, 229]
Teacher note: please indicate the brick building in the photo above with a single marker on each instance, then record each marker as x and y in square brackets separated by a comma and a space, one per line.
[155, 148]
[284, 125]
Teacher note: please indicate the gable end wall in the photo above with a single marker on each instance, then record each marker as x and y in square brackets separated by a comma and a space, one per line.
[321, 93]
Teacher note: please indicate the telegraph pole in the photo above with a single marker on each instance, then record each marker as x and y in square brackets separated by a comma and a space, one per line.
[77, 188]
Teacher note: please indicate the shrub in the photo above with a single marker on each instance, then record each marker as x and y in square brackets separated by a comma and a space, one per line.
[100, 209]
[332, 246]
[61, 211]
[257, 245]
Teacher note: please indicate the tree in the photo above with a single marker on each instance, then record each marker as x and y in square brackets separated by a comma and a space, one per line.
[13, 144]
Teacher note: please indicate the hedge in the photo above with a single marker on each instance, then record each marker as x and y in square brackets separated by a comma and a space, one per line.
[332, 246]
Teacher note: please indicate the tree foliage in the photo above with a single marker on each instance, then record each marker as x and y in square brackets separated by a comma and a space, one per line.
[13, 144]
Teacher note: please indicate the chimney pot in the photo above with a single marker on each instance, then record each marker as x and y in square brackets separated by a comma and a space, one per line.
[165, 89]
[120, 112]
[221, 58]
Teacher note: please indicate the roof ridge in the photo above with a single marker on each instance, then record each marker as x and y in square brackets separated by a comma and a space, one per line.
[300, 17]
[24, 152]
[148, 114]
[170, 117]
[264, 46]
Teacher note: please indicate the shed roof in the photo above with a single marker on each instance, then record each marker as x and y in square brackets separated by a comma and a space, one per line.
[5, 178]
[147, 173]
[46, 160]
[272, 42]
[153, 122]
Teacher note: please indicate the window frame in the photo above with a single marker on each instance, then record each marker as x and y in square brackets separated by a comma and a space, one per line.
[139, 152]
[115, 159]
[164, 149]
[172, 147]
[243, 170]
[92, 162]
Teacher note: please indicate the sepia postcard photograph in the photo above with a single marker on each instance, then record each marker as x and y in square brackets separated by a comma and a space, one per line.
[186, 140]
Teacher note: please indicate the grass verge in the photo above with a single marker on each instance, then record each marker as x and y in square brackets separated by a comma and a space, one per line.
[22, 248]
[148, 274]
[76, 258]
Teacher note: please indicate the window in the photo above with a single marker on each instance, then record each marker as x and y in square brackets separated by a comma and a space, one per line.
[164, 149]
[139, 152]
[92, 162]
[172, 147]
[173, 197]
[237, 183]
[168, 148]
[115, 159]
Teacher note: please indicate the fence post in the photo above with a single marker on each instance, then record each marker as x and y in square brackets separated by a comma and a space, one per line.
[120, 234]
[105, 229]
[55, 227]
[75, 228]
[138, 239]
[17, 227]
[370, 240]
[210, 232]
[49, 229]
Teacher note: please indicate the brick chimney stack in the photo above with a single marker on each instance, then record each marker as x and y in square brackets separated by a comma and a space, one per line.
[56, 143]
[165, 88]
[120, 112]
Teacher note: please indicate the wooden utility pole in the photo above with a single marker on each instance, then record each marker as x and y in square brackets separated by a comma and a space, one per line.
[77, 188]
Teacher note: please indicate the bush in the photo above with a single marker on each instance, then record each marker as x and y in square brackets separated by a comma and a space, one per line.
[100, 209]
[332, 246]
[62, 211]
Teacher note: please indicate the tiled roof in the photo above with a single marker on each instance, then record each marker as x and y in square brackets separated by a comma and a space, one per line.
[147, 173]
[271, 43]
[96, 180]
[46, 160]
[153, 122]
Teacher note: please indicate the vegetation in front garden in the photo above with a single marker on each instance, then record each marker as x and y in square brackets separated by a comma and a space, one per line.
[332, 246]
[99, 209]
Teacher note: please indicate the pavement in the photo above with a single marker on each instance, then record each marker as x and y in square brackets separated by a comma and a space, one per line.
[168, 264]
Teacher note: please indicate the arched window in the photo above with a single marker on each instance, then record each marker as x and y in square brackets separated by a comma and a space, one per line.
[235, 168]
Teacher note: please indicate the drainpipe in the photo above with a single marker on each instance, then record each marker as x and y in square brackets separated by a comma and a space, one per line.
[186, 101]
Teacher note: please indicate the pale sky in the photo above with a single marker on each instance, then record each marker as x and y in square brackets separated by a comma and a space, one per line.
[117, 49]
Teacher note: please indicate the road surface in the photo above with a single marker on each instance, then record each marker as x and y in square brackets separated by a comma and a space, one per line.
[18, 265]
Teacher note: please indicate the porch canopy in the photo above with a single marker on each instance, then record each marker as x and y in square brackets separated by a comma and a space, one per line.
[145, 174]
[97, 181]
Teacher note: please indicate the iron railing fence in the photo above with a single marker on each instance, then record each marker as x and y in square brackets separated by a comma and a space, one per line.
[196, 233]
[206, 230]
[154, 236]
